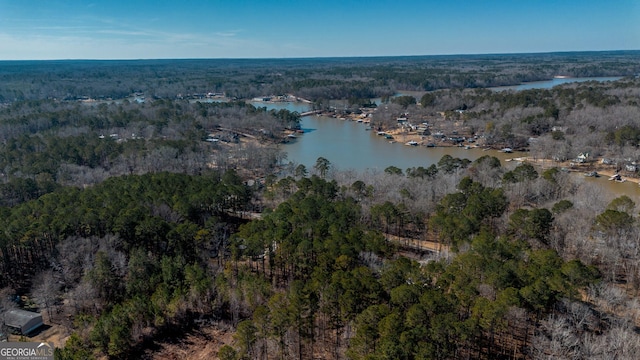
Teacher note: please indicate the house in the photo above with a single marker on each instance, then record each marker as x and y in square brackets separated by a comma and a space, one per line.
[423, 130]
[582, 158]
[22, 321]
[631, 167]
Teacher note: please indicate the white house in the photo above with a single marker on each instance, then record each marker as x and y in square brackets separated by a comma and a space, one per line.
[582, 158]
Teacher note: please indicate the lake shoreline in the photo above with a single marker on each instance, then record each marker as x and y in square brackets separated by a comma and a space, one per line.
[596, 165]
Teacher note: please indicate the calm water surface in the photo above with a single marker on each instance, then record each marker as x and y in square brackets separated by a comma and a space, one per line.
[348, 145]
[548, 84]
[628, 188]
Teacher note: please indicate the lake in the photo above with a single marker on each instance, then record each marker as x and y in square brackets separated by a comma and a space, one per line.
[348, 145]
[548, 84]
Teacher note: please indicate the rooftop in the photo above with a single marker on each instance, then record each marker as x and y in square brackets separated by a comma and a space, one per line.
[18, 318]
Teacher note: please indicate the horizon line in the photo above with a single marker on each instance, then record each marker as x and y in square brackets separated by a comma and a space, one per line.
[335, 57]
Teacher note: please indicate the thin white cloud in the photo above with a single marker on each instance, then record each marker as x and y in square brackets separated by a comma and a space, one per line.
[152, 44]
[123, 32]
[92, 36]
[227, 33]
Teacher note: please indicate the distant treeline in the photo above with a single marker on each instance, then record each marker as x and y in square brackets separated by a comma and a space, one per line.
[317, 78]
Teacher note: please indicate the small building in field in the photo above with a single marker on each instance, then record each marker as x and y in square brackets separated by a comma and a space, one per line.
[582, 158]
[22, 321]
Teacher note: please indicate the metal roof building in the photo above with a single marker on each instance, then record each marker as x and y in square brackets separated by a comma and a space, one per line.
[23, 321]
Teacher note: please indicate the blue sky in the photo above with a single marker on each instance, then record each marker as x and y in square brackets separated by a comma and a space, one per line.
[143, 29]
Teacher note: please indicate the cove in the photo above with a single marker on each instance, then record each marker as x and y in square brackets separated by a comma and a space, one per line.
[349, 146]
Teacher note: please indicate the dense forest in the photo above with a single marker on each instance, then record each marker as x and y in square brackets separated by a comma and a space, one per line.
[314, 79]
[131, 223]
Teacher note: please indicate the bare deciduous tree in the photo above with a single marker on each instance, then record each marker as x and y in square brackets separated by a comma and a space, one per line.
[45, 291]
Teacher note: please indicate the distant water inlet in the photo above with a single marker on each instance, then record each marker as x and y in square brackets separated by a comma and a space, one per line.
[548, 84]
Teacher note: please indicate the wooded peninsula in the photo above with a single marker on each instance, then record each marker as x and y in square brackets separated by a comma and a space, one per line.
[148, 210]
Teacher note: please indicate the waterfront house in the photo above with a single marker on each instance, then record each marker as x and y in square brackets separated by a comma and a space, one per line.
[263, 98]
[582, 158]
[423, 130]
